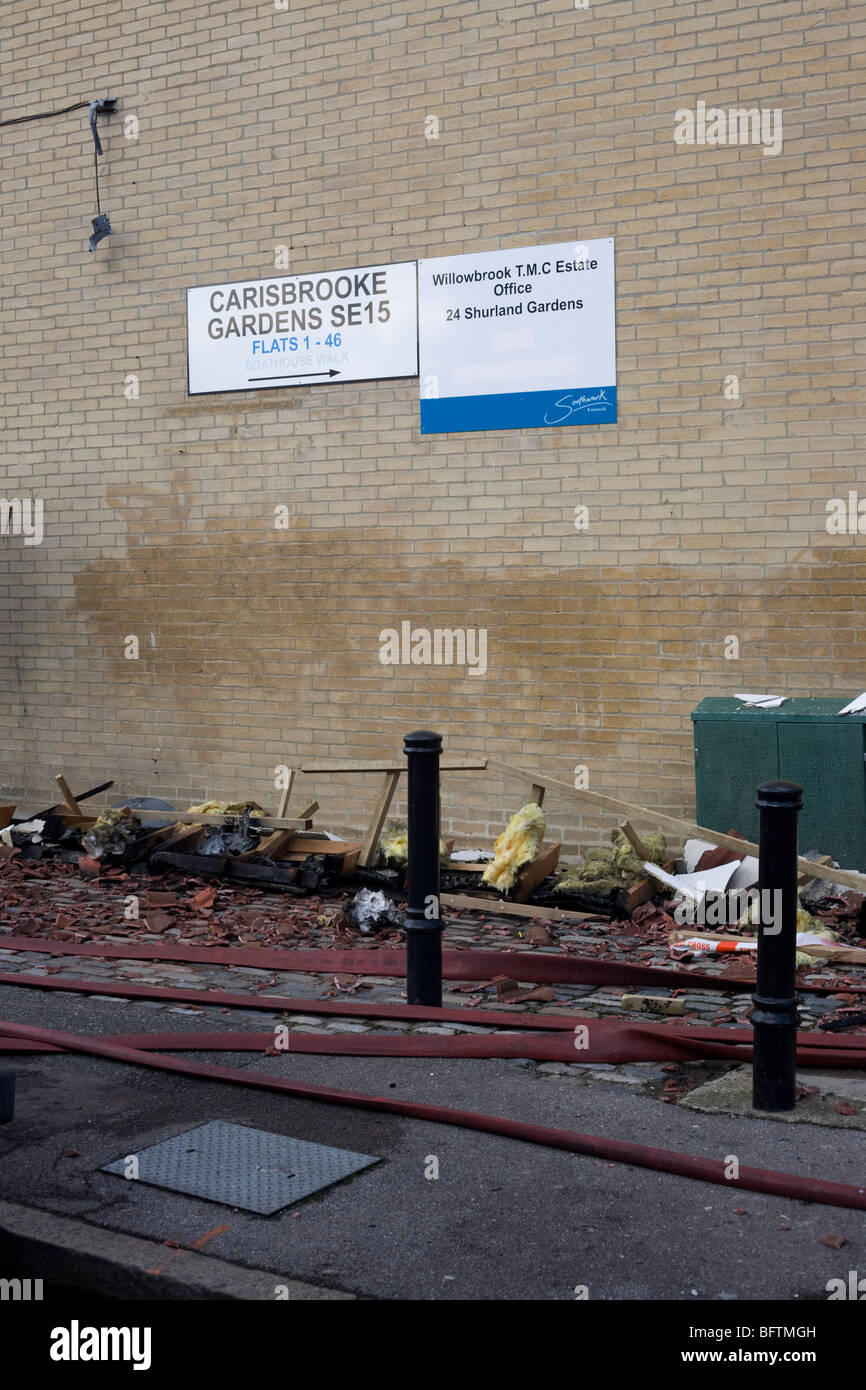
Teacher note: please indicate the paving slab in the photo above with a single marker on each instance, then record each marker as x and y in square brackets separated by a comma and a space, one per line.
[731, 1094]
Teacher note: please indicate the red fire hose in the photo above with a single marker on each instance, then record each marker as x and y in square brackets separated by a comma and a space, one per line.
[787, 1185]
[537, 967]
[612, 1040]
[608, 1040]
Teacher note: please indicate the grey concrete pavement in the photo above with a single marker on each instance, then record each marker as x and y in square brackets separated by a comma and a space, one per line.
[504, 1219]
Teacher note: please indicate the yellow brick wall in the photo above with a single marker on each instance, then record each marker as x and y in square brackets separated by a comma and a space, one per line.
[305, 128]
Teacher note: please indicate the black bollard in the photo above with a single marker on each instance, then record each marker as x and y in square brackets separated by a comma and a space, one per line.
[423, 923]
[774, 1017]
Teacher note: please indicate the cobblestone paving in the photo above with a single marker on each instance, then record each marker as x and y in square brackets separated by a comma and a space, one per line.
[53, 901]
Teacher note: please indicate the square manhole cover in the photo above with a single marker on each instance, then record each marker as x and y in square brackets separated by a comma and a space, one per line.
[241, 1167]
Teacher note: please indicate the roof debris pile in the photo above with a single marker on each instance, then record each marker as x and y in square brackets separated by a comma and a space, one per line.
[701, 908]
[77, 888]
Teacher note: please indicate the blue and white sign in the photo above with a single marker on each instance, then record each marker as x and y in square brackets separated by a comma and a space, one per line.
[303, 330]
[519, 339]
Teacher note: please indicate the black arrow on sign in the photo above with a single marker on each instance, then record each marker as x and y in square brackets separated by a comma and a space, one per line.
[294, 376]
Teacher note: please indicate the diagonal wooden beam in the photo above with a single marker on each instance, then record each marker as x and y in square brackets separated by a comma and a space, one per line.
[682, 827]
[68, 799]
[377, 820]
[284, 801]
[635, 840]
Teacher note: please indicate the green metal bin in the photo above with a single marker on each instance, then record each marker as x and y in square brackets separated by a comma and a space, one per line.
[805, 741]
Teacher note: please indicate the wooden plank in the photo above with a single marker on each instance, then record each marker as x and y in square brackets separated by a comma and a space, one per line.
[804, 878]
[635, 840]
[284, 800]
[533, 873]
[536, 793]
[302, 845]
[684, 828]
[627, 899]
[184, 839]
[6, 814]
[445, 765]
[271, 845]
[263, 822]
[377, 819]
[68, 798]
[288, 844]
[163, 837]
[266, 822]
[498, 907]
[350, 862]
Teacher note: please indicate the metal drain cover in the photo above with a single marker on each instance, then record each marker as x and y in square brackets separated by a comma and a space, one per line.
[241, 1167]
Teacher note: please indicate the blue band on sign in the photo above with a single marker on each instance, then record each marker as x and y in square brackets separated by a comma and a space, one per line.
[581, 405]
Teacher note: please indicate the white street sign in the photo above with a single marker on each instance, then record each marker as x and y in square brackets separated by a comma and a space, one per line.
[518, 339]
[303, 330]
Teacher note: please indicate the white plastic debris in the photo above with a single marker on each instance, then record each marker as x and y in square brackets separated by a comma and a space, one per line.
[697, 885]
[762, 701]
[692, 851]
[30, 827]
[746, 872]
